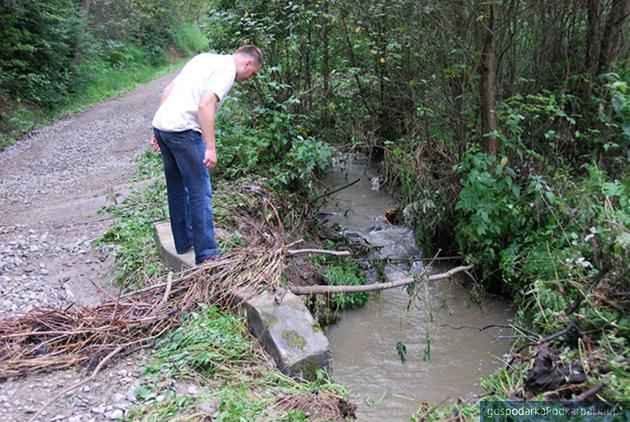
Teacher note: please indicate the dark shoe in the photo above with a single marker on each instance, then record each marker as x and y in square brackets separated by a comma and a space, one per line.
[216, 254]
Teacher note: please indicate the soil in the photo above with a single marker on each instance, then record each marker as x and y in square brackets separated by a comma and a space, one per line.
[52, 185]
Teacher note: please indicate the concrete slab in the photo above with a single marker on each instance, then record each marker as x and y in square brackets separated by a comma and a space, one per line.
[289, 334]
[166, 246]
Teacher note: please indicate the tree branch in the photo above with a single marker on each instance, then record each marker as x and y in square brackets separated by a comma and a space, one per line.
[299, 251]
[305, 290]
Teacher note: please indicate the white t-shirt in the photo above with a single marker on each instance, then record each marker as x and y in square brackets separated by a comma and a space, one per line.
[204, 73]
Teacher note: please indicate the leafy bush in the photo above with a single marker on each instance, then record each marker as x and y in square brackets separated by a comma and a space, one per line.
[189, 39]
[492, 212]
[38, 42]
[341, 271]
[271, 140]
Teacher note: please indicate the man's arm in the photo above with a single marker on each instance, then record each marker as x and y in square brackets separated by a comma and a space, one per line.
[206, 115]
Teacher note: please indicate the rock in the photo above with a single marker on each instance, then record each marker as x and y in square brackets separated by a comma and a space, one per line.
[98, 410]
[116, 414]
[118, 397]
[44, 271]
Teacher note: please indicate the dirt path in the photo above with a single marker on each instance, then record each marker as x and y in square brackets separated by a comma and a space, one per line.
[52, 185]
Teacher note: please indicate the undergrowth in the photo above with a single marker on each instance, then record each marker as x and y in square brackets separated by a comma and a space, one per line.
[341, 271]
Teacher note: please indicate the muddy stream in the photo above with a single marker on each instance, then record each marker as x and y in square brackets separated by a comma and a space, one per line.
[442, 363]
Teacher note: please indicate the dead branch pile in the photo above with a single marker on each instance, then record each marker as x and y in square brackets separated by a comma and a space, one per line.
[52, 339]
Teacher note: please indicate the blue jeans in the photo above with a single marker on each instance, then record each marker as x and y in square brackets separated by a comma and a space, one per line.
[189, 192]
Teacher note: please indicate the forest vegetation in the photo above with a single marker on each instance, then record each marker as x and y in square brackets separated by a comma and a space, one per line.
[502, 127]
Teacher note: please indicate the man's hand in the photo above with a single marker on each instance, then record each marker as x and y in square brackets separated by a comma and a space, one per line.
[154, 144]
[210, 158]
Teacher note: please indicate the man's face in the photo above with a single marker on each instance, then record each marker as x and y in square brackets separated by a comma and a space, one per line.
[248, 70]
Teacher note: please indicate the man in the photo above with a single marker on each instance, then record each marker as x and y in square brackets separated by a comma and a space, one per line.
[184, 133]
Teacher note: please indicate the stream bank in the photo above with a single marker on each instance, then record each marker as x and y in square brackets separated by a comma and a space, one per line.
[402, 350]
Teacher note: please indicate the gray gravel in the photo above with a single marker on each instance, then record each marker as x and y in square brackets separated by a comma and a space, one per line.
[52, 184]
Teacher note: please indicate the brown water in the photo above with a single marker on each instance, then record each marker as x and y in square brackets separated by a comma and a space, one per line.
[442, 363]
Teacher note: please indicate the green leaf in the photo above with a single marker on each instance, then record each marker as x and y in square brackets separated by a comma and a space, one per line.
[401, 349]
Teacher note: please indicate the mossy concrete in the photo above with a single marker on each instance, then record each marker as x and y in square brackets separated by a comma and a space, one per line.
[290, 335]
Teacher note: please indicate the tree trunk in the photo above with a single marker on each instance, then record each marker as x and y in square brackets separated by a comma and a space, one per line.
[488, 79]
[593, 37]
[326, 52]
[457, 82]
[613, 40]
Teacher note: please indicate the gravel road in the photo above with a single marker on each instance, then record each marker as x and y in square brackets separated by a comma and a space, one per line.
[52, 184]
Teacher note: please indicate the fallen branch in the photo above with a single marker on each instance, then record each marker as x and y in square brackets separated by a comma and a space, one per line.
[334, 191]
[169, 284]
[578, 301]
[573, 325]
[487, 327]
[306, 290]
[324, 251]
[588, 393]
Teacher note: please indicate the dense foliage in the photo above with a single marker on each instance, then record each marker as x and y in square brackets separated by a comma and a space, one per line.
[503, 125]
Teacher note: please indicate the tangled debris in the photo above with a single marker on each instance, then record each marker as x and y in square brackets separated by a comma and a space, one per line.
[46, 339]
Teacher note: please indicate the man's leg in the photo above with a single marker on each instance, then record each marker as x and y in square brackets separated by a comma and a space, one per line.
[197, 181]
[178, 207]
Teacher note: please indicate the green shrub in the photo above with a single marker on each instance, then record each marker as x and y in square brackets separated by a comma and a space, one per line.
[268, 138]
[38, 43]
[189, 39]
[492, 212]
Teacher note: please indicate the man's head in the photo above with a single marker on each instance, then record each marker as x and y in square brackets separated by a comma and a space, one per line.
[248, 60]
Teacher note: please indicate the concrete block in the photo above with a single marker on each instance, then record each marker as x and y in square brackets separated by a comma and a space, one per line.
[289, 334]
[166, 246]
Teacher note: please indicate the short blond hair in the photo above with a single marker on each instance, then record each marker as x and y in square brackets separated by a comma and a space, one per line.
[253, 52]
